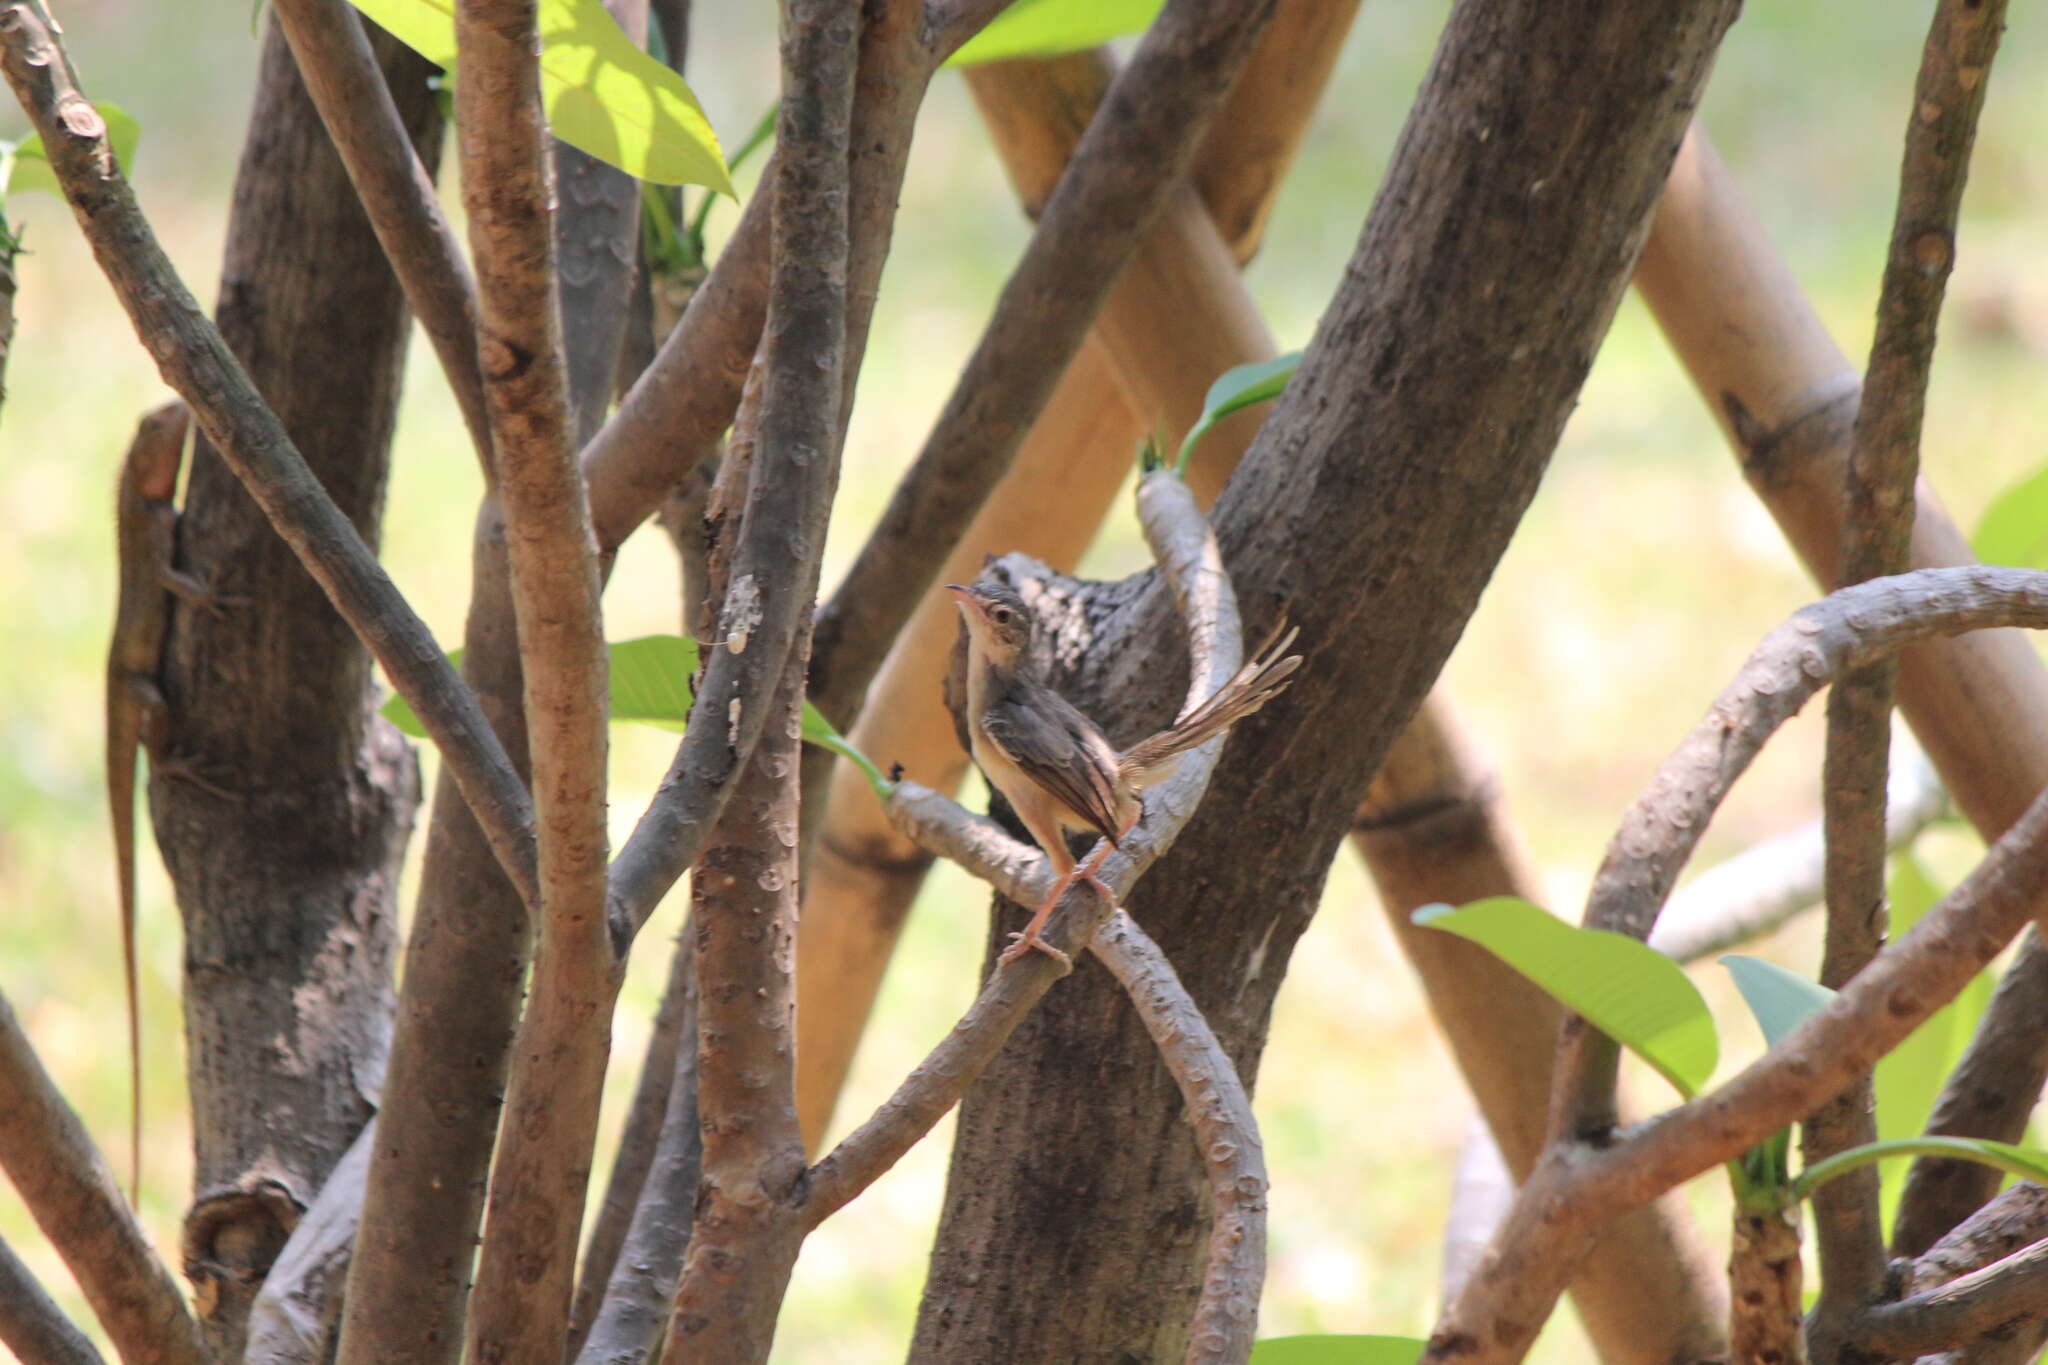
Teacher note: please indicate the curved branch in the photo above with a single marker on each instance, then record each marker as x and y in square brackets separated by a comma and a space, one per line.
[1186, 551]
[1821, 642]
[1225, 1133]
[297, 1312]
[2003, 1294]
[195, 361]
[65, 1182]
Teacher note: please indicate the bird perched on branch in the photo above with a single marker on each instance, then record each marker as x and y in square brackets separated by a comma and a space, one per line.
[1054, 766]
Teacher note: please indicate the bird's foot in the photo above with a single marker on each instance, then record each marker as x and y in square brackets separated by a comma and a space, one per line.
[1023, 941]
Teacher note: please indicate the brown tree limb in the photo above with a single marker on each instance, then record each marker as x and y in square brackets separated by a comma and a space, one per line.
[195, 362]
[1114, 188]
[31, 1324]
[1186, 553]
[526, 1266]
[1884, 461]
[1765, 1308]
[1220, 1111]
[2008, 1224]
[1763, 887]
[1990, 1094]
[747, 1230]
[355, 104]
[61, 1176]
[1581, 1185]
[1999, 1297]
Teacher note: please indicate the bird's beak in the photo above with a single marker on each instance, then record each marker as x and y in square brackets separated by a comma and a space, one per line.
[965, 596]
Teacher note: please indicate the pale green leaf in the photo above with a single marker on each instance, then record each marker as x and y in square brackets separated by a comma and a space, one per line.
[1630, 992]
[2025, 1162]
[1046, 28]
[1235, 390]
[2014, 529]
[650, 685]
[30, 166]
[603, 95]
[1780, 1000]
[1337, 1350]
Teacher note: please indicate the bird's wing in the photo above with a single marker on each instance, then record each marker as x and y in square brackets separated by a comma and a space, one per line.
[1060, 749]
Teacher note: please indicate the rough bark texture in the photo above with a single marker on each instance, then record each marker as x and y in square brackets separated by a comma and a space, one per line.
[288, 891]
[1485, 278]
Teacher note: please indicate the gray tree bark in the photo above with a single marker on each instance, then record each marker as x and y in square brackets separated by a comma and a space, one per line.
[288, 885]
[1374, 507]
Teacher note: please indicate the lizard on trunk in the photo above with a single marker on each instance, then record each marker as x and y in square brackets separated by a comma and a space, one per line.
[146, 533]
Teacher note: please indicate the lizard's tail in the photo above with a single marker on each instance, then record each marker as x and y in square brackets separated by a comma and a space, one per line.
[1257, 683]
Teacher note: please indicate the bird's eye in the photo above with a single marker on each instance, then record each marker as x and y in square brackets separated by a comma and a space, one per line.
[1001, 616]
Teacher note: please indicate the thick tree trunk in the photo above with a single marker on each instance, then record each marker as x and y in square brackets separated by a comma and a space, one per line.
[1374, 506]
[288, 886]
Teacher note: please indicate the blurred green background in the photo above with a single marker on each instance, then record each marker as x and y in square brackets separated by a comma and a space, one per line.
[1642, 576]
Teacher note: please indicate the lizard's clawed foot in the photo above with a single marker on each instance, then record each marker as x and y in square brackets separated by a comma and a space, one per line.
[185, 768]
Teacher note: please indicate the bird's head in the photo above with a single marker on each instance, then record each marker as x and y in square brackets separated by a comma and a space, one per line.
[997, 620]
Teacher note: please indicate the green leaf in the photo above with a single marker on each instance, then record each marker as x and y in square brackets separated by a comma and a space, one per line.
[2015, 527]
[1236, 390]
[603, 95]
[1337, 1350]
[2024, 1162]
[1626, 989]
[650, 685]
[29, 168]
[1046, 28]
[1780, 1000]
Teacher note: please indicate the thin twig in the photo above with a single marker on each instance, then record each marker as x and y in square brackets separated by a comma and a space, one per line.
[1991, 1093]
[297, 1312]
[525, 1271]
[32, 1325]
[1761, 888]
[1884, 461]
[1186, 552]
[1226, 1134]
[1660, 831]
[355, 105]
[195, 361]
[1132, 156]
[644, 1267]
[639, 1140]
[70, 1192]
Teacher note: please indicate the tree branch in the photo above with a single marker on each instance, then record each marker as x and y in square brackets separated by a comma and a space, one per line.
[640, 1143]
[1884, 461]
[1225, 1132]
[1116, 184]
[1187, 555]
[398, 195]
[1847, 629]
[543, 1159]
[2002, 1295]
[32, 1325]
[1764, 886]
[641, 1273]
[64, 1181]
[195, 361]
[1580, 1186]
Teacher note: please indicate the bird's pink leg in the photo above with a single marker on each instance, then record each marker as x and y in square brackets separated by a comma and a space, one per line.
[1024, 942]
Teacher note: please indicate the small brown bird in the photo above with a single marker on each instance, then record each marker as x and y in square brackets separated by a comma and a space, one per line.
[1053, 764]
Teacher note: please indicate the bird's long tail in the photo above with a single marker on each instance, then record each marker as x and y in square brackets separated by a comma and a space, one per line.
[1257, 683]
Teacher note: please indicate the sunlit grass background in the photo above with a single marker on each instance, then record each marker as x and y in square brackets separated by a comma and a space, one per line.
[1644, 573]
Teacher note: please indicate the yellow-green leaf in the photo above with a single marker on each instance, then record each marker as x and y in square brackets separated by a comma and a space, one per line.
[1626, 989]
[1337, 1350]
[1046, 28]
[603, 95]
